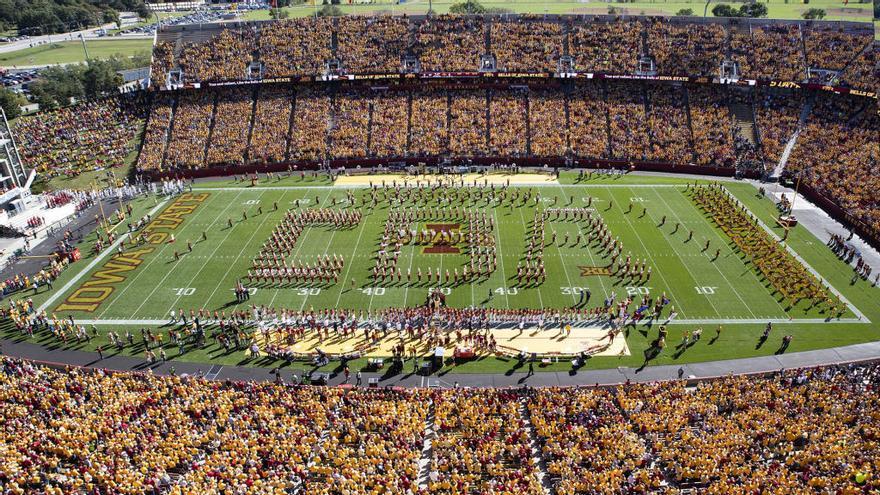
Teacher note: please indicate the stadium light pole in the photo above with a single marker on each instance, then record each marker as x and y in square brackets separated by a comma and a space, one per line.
[706, 8]
[85, 48]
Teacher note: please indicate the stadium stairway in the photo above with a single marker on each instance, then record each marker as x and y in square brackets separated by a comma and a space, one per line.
[744, 116]
[789, 146]
[210, 128]
[254, 96]
[537, 456]
[169, 130]
[290, 123]
[528, 123]
[427, 449]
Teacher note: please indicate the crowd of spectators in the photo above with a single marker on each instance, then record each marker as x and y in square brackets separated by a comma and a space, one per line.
[156, 133]
[90, 135]
[612, 47]
[777, 52]
[450, 43]
[507, 123]
[588, 121]
[712, 127]
[467, 129]
[797, 432]
[295, 47]
[351, 125]
[837, 154]
[686, 49]
[163, 61]
[777, 113]
[668, 124]
[372, 44]
[389, 123]
[527, 44]
[91, 431]
[269, 136]
[830, 47]
[524, 43]
[373, 444]
[627, 120]
[308, 135]
[190, 129]
[223, 57]
[548, 129]
[864, 72]
[739, 50]
[229, 139]
[481, 444]
[429, 133]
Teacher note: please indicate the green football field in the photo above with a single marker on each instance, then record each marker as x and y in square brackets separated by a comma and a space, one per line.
[144, 287]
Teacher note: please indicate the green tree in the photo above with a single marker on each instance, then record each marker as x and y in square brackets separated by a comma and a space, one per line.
[11, 103]
[724, 10]
[468, 7]
[57, 85]
[278, 14]
[685, 12]
[99, 78]
[330, 11]
[756, 9]
[814, 13]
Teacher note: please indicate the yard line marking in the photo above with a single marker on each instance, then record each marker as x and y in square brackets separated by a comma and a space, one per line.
[300, 243]
[540, 299]
[238, 257]
[329, 243]
[500, 256]
[173, 267]
[354, 252]
[649, 255]
[244, 246]
[412, 257]
[109, 250]
[736, 292]
[590, 254]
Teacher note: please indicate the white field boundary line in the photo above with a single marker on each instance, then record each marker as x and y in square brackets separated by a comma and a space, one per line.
[725, 242]
[108, 251]
[802, 261]
[708, 321]
[157, 255]
[402, 186]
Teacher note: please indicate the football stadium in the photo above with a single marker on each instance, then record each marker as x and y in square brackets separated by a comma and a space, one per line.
[531, 254]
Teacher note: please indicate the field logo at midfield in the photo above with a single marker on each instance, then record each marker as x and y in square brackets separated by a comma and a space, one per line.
[439, 245]
[93, 292]
[593, 271]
